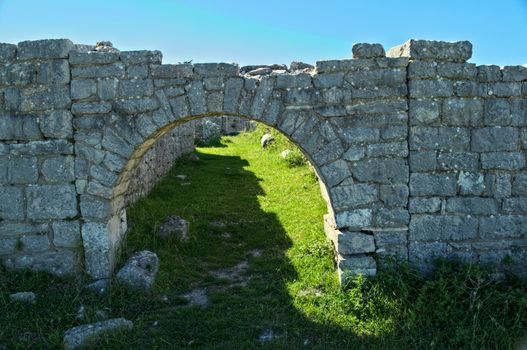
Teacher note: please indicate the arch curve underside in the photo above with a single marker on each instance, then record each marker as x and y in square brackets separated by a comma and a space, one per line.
[419, 153]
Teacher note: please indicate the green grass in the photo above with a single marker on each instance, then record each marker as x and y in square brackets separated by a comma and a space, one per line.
[272, 206]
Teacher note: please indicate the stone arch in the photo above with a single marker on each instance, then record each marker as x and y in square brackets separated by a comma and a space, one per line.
[134, 125]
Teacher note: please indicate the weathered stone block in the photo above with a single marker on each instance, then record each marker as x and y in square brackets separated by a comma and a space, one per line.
[356, 219]
[457, 70]
[442, 227]
[58, 169]
[519, 112]
[288, 81]
[347, 242]
[390, 218]
[423, 161]
[423, 112]
[459, 51]
[472, 205]
[184, 70]
[11, 203]
[503, 160]
[107, 88]
[136, 106]
[353, 196]
[60, 263]
[93, 207]
[514, 73]
[66, 234]
[503, 227]
[494, 139]
[424, 205]
[365, 50]
[136, 88]
[393, 149]
[433, 184]
[497, 112]
[262, 95]
[196, 97]
[18, 170]
[115, 70]
[96, 242]
[462, 112]
[427, 138]
[387, 171]
[51, 201]
[422, 69]
[458, 161]
[471, 183]
[354, 265]
[335, 172]
[216, 69]
[139, 71]
[93, 57]
[141, 56]
[430, 88]
[519, 185]
[20, 128]
[81, 108]
[45, 98]
[394, 195]
[53, 72]
[489, 73]
[34, 244]
[51, 48]
[327, 80]
[81, 89]
[57, 124]
[504, 89]
[7, 52]
[379, 106]
[518, 205]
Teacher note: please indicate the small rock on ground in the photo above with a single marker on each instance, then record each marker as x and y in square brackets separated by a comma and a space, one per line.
[82, 336]
[181, 177]
[25, 297]
[266, 140]
[193, 157]
[260, 71]
[174, 226]
[267, 335]
[286, 153]
[197, 297]
[140, 270]
[100, 286]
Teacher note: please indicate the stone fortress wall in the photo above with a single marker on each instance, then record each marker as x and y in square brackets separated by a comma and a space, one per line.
[419, 153]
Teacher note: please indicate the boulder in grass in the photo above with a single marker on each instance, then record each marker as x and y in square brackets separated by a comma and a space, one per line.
[266, 140]
[85, 335]
[174, 226]
[139, 272]
[24, 297]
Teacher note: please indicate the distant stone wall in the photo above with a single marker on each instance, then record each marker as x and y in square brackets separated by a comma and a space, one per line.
[419, 154]
[159, 159]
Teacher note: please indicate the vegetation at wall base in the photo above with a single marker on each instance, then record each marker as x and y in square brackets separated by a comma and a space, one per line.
[258, 252]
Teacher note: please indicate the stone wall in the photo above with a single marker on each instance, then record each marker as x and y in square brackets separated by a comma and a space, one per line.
[419, 153]
[159, 159]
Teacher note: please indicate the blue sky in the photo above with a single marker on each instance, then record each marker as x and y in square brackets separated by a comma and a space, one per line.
[251, 32]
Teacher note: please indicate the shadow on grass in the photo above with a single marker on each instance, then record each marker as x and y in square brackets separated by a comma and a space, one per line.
[263, 306]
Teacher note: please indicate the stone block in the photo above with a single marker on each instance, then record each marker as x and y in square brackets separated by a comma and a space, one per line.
[18, 170]
[92, 58]
[354, 243]
[216, 69]
[488, 73]
[96, 243]
[422, 184]
[34, 244]
[53, 72]
[136, 106]
[430, 88]
[518, 205]
[469, 88]
[394, 195]
[365, 50]
[457, 70]
[472, 205]
[82, 108]
[45, 98]
[60, 263]
[262, 95]
[504, 89]
[57, 124]
[424, 205]
[519, 185]
[115, 70]
[471, 183]
[136, 88]
[107, 88]
[457, 161]
[503, 227]
[326, 80]
[7, 52]
[514, 73]
[459, 51]
[393, 149]
[50, 48]
[51, 202]
[66, 234]
[141, 56]
[81, 89]
[503, 160]
[462, 112]
[356, 219]
[378, 107]
[390, 218]
[384, 171]
[196, 97]
[353, 196]
[354, 265]
[335, 172]
[184, 70]
[94, 207]
[423, 161]
[19, 128]
[139, 71]
[519, 112]
[423, 111]
[442, 228]
[445, 138]
[58, 169]
[299, 80]
[497, 112]
[11, 203]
